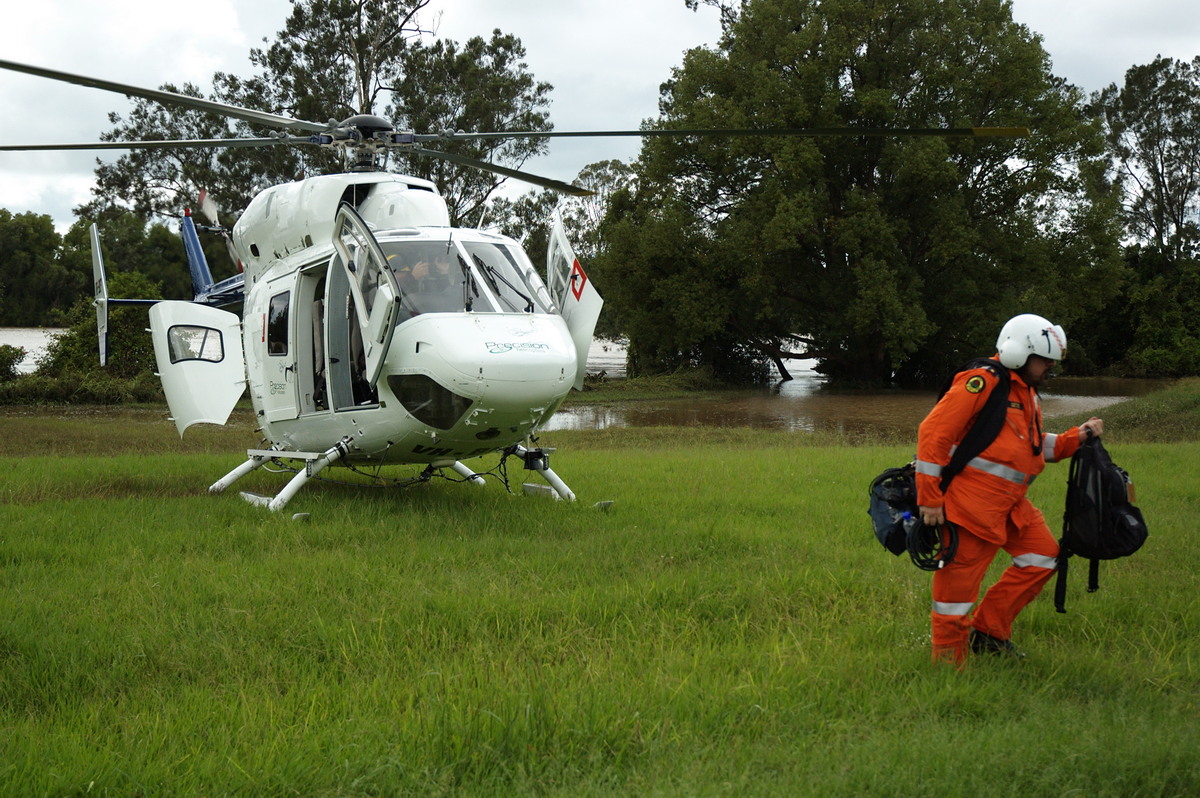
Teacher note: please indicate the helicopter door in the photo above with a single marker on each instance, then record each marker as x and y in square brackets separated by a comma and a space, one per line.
[200, 363]
[373, 290]
[578, 300]
[276, 360]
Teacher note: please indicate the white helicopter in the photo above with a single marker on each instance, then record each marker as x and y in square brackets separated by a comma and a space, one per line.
[371, 331]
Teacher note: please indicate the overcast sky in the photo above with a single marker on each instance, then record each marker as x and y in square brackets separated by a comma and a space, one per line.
[604, 59]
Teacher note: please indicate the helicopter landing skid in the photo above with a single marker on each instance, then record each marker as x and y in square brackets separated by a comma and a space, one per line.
[467, 473]
[314, 463]
[539, 460]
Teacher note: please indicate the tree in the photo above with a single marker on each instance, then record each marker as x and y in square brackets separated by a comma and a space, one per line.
[527, 219]
[128, 244]
[483, 86]
[1153, 129]
[332, 60]
[70, 370]
[664, 291]
[884, 257]
[582, 216]
[34, 281]
[161, 182]
[1152, 327]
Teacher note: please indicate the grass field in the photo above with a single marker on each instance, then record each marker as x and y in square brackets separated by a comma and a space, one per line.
[729, 626]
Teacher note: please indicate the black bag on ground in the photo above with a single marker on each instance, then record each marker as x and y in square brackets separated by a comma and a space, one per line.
[1100, 521]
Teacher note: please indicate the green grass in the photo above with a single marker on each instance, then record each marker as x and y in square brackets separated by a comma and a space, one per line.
[730, 626]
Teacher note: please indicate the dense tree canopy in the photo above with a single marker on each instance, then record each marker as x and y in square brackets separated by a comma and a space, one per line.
[884, 257]
[1152, 123]
[34, 282]
[1153, 129]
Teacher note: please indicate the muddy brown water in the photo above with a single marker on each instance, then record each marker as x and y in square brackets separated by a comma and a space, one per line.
[807, 404]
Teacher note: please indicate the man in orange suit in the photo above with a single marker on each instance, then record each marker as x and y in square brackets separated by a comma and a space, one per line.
[986, 500]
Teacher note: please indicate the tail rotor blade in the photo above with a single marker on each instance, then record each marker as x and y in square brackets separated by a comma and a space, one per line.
[208, 207]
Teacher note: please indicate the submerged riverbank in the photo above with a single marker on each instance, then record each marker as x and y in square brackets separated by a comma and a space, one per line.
[1170, 414]
[808, 405]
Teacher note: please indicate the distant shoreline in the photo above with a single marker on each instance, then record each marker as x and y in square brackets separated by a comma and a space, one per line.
[34, 340]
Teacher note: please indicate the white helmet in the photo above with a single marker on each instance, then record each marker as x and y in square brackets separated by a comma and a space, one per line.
[1027, 334]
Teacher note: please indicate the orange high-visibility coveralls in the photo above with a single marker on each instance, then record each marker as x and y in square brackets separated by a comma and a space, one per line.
[987, 501]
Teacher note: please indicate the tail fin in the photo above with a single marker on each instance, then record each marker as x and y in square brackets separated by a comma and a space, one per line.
[102, 301]
[101, 289]
[204, 290]
[576, 297]
[202, 279]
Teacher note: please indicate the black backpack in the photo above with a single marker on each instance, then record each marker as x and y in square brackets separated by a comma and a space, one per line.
[1099, 522]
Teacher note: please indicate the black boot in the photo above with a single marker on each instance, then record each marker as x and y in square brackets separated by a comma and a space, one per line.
[984, 643]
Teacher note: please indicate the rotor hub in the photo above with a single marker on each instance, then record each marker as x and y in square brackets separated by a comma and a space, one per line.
[368, 126]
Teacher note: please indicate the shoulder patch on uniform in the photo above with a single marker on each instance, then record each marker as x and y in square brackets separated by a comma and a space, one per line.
[975, 384]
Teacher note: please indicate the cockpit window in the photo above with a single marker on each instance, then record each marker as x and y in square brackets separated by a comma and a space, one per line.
[430, 275]
[511, 278]
[451, 276]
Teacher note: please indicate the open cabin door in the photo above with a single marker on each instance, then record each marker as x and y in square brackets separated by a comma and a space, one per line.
[374, 294]
[200, 362]
[577, 299]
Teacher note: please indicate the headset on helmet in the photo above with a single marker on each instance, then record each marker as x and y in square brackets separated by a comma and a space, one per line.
[1027, 334]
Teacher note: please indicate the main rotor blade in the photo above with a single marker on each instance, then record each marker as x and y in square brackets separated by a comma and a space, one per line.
[528, 177]
[176, 144]
[977, 132]
[170, 98]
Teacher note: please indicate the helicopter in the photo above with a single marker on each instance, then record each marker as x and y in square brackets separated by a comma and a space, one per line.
[371, 332]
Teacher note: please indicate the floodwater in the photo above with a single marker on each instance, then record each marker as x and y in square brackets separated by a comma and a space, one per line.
[804, 404]
[807, 404]
[33, 340]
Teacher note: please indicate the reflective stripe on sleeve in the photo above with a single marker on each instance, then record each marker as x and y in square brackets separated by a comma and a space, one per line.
[929, 469]
[1049, 443]
[1036, 561]
[952, 607]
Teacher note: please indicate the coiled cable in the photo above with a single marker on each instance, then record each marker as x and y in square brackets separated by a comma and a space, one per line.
[931, 548]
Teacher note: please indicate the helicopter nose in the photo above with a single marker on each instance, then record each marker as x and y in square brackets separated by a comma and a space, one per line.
[524, 359]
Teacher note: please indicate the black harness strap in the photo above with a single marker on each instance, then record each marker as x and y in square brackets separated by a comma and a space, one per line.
[988, 422]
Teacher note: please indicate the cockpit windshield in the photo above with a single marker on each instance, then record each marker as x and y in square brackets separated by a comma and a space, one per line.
[451, 276]
[510, 277]
[431, 275]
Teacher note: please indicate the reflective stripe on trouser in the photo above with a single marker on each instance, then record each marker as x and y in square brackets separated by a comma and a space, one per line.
[956, 587]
